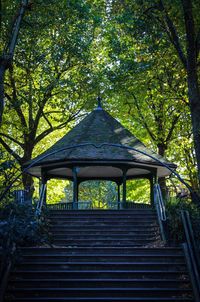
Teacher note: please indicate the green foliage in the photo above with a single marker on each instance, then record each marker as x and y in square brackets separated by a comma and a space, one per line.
[56, 191]
[8, 170]
[102, 194]
[138, 190]
[19, 226]
[149, 80]
[175, 227]
[45, 87]
[68, 52]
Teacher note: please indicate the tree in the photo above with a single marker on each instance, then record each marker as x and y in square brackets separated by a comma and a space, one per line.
[45, 87]
[6, 57]
[188, 53]
[139, 46]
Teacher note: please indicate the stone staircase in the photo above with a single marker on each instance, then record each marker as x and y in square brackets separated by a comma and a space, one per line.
[102, 255]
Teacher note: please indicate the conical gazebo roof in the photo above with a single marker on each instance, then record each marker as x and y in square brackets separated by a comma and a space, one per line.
[94, 146]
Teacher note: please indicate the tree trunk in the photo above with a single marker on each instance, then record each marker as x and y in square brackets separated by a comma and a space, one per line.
[192, 75]
[194, 99]
[28, 184]
[2, 75]
[8, 52]
[27, 179]
[161, 180]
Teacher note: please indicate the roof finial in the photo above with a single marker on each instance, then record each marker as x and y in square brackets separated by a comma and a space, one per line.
[99, 103]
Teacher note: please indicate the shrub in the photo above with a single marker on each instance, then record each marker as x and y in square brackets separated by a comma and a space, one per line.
[175, 227]
[20, 226]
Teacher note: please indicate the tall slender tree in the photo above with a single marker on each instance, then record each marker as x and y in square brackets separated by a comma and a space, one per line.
[45, 87]
[7, 55]
[188, 52]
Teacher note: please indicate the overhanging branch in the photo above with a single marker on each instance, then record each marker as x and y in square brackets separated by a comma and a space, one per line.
[9, 150]
[173, 35]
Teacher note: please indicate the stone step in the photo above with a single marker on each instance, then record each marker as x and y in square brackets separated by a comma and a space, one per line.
[104, 299]
[133, 283]
[104, 258]
[104, 228]
[107, 242]
[100, 255]
[107, 236]
[96, 231]
[160, 251]
[96, 265]
[161, 273]
[101, 292]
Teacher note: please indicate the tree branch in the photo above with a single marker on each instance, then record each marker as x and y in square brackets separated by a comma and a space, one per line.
[174, 122]
[8, 53]
[143, 119]
[9, 150]
[14, 100]
[12, 139]
[47, 120]
[198, 43]
[190, 34]
[47, 96]
[172, 33]
[51, 129]
[16, 27]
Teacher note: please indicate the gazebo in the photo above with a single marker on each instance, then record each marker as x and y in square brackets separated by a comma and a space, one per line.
[99, 148]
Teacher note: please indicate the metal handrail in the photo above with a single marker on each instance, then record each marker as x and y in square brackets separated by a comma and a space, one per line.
[191, 254]
[6, 261]
[158, 199]
[41, 201]
[189, 235]
[160, 209]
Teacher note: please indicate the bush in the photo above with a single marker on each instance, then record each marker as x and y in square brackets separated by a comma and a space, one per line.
[175, 227]
[20, 226]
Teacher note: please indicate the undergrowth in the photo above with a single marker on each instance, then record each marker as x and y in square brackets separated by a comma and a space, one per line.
[175, 227]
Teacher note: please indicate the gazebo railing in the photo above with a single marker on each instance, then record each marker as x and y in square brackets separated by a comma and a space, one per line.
[60, 206]
[89, 205]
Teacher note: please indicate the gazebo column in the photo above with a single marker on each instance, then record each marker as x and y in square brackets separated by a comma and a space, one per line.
[124, 189]
[118, 195]
[151, 179]
[75, 189]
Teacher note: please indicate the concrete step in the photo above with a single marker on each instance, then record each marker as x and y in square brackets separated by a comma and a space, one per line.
[106, 242]
[133, 283]
[104, 299]
[101, 292]
[160, 273]
[96, 265]
[103, 256]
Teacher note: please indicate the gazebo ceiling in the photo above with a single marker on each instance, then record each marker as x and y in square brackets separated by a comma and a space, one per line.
[93, 146]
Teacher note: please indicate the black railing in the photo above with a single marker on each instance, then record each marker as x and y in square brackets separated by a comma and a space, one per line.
[136, 205]
[60, 206]
[191, 254]
[161, 211]
[40, 202]
[8, 251]
[86, 205]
